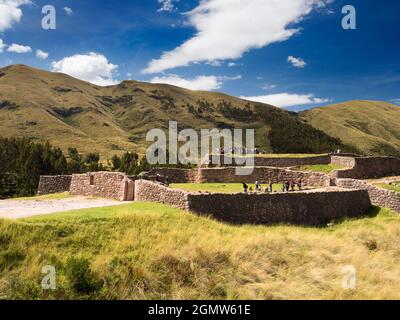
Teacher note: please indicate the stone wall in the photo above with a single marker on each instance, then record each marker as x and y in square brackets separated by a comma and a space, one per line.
[263, 175]
[343, 161]
[379, 197]
[279, 162]
[54, 184]
[112, 185]
[368, 167]
[309, 208]
[228, 175]
[147, 191]
[174, 175]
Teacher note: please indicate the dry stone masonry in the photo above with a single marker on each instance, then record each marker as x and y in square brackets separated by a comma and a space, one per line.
[349, 198]
[309, 208]
[367, 167]
[54, 184]
[112, 185]
[147, 191]
[379, 196]
[279, 162]
[228, 175]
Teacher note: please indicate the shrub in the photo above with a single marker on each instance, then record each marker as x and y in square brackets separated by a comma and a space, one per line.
[81, 277]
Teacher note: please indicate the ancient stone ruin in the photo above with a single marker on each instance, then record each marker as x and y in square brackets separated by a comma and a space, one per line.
[336, 195]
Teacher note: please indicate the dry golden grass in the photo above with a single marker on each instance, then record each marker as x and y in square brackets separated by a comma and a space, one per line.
[369, 125]
[151, 251]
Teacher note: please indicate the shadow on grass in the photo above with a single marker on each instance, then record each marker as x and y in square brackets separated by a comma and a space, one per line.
[373, 212]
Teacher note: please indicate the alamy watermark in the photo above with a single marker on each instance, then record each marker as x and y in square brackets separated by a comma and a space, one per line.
[49, 280]
[190, 148]
[349, 21]
[49, 21]
[349, 281]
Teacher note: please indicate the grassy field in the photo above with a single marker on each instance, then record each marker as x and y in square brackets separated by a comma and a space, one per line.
[323, 168]
[151, 251]
[282, 155]
[219, 187]
[393, 187]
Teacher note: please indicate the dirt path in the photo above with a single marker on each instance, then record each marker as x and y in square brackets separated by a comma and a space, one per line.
[17, 209]
[384, 180]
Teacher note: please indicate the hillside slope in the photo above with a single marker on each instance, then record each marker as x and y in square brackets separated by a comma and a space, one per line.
[372, 126]
[110, 120]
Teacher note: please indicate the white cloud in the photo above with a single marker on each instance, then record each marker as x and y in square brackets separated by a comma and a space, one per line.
[167, 5]
[296, 62]
[284, 100]
[268, 86]
[10, 12]
[226, 29]
[17, 48]
[68, 11]
[234, 64]
[205, 83]
[2, 45]
[92, 67]
[41, 54]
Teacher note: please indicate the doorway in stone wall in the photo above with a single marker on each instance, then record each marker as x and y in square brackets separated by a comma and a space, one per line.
[129, 190]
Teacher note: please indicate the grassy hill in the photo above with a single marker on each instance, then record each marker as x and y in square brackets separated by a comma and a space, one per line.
[152, 251]
[372, 126]
[110, 120]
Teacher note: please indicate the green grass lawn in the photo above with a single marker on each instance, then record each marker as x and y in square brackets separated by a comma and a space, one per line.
[322, 168]
[283, 155]
[54, 196]
[392, 187]
[219, 187]
[152, 251]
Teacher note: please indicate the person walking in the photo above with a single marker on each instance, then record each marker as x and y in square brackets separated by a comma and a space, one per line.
[167, 181]
[300, 184]
[292, 184]
[258, 186]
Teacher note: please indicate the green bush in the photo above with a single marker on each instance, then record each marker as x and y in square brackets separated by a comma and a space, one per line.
[81, 277]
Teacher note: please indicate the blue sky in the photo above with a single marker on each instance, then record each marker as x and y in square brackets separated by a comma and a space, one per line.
[291, 53]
